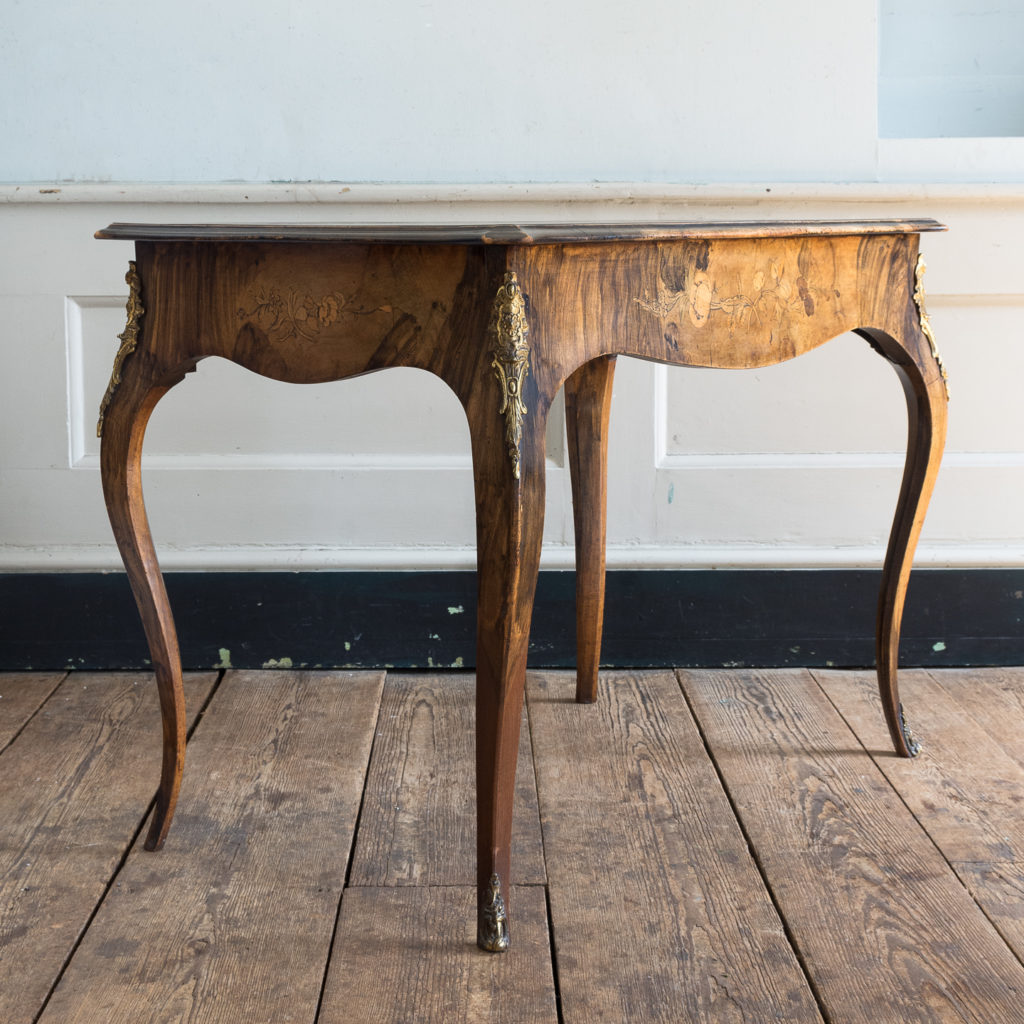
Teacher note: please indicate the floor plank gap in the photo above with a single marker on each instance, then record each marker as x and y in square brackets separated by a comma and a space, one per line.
[362, 805]
[554, 957]
[13, 730]
[351, 859]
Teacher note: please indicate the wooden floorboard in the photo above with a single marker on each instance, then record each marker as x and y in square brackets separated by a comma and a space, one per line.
[964, 788]
[657, 909]
[232, 920]
[74, 787]
[886, 929]
[409, 955]
[994, 698]
[873, 890]
[418, 825]
[21, 695]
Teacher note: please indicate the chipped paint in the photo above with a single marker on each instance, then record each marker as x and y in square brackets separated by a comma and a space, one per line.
[348, 646]
[433, 636]
[278, 663]
[457, 663]
[940, 646]
[225, 658]
[455, 609]
[671, 492]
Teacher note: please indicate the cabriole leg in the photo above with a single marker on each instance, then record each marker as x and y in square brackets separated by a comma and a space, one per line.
[926, 408]
[134, 390]
[927, 400]
[588, 399]
[507, 418]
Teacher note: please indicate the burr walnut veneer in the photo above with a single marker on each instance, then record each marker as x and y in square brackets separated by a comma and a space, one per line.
[506, 316]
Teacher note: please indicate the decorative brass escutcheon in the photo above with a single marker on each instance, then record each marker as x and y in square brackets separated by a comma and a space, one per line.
[492, 933]
[926, 327]
[129, 338]
[511, 361]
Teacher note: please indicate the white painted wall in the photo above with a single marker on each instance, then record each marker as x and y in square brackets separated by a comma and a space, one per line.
[951, 68]
[725, 468]
[446, 91]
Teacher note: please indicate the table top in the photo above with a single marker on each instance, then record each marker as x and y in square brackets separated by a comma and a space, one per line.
[505, 234]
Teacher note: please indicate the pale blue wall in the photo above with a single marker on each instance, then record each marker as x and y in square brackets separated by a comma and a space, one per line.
[472, 91]
[951, 68]
[445, 91]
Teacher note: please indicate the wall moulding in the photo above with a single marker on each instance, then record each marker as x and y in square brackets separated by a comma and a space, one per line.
[555, 557]
[630, 195]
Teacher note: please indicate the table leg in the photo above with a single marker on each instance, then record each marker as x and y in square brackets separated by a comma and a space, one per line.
[510, 521]
[123, 427]
[588, 399]
[927, 400]
[926, 409]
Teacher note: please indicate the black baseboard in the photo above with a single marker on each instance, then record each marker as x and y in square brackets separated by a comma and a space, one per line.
[695, 618]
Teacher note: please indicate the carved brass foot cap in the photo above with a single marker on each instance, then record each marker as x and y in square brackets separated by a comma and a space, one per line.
[492, 928]
[908, 737]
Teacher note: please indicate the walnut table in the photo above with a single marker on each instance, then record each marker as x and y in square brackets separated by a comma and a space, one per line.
[507, 316]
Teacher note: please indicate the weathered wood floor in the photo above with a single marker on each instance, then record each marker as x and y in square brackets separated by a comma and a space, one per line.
[698, 846]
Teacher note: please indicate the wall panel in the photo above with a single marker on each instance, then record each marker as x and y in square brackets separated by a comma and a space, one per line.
[795, 465]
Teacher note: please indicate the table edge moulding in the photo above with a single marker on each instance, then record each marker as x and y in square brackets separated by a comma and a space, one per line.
[507, 315]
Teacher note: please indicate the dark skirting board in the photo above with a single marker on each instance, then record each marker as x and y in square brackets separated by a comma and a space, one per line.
[684, 618]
